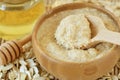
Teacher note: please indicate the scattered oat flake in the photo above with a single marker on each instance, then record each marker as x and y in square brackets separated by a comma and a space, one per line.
[7, 67]
[23, 76]
[114, 77]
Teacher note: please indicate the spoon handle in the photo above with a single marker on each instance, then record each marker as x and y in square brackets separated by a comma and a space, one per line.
[108, 36]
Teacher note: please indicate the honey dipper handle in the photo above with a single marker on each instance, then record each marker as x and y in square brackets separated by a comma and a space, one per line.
[24, 40]
[108, 36]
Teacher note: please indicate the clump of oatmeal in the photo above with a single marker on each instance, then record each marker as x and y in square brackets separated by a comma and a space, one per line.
[73, 32]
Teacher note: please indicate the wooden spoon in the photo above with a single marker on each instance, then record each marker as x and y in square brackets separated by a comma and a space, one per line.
[101, 33]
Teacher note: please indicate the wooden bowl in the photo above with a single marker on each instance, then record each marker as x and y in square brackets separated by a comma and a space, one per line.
[70, 70]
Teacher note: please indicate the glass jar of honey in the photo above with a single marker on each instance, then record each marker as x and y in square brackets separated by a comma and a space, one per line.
[17, 17]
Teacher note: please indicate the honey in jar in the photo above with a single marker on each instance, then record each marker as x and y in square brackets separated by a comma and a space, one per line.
[17, 17]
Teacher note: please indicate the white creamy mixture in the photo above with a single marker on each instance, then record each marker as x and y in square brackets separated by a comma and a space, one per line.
[61, 37]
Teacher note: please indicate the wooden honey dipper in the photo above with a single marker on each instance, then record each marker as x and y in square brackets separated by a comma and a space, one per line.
[11, 50]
